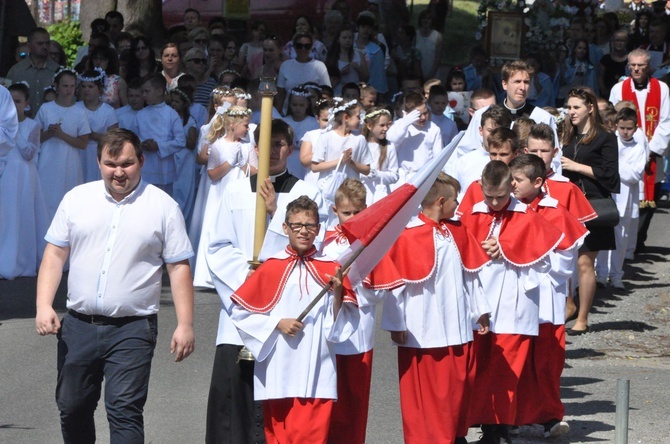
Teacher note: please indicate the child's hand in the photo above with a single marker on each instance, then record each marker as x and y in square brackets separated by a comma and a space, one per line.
[492, 248]
[149, 145]
[399, 337]
[484, 323]
[346, 155]
[289, 327]
[412, 116]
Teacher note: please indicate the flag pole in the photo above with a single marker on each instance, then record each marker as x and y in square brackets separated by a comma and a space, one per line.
[329, 285]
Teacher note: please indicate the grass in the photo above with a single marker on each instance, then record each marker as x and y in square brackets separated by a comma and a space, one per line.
[459, 30]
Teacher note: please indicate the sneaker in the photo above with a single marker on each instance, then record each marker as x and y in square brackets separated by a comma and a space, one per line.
[555, 428]
[618, 284]
[601, 282]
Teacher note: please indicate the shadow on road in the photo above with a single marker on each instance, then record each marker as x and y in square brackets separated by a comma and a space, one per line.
[17, 297]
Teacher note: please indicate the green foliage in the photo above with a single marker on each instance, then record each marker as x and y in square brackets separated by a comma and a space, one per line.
[68, 34]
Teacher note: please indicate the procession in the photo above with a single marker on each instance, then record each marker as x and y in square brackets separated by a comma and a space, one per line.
[326, 195]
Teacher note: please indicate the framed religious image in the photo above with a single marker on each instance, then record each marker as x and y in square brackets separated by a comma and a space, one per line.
[504, 35]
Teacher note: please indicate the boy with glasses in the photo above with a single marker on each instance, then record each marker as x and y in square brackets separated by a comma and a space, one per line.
[295, 373]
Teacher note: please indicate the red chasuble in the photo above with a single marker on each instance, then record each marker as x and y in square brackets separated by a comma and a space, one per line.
[652, 107]
[549, 208]
[414, 251]
[261, 292]
[525, 237]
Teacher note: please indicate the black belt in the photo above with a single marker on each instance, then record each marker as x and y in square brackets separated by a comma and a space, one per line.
[107, 320]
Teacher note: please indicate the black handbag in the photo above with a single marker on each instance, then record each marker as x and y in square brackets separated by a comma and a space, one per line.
[608, 214]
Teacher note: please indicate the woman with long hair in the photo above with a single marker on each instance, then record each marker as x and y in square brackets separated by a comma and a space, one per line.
[591, 161]
[142, 59]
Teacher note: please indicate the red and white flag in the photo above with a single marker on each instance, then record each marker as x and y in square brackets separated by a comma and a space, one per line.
[373, 231]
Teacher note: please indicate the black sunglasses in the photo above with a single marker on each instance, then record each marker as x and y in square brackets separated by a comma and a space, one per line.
[302, 46]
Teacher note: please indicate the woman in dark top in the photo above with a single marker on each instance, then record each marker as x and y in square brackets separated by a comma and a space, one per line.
[591, 161]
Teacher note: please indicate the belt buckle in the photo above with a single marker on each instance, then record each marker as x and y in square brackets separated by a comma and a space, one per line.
[95, 320]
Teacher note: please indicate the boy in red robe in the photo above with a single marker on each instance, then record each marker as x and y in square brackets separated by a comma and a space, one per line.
[295, 373]
[431, 320]
[539, 401]
[511, 283]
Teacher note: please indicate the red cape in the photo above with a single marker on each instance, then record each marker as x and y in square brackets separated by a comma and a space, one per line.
[472, 195]
[384, 276]
[261, 292]
[414, 252]
[549, 208]
[525, 237]
[571, 197]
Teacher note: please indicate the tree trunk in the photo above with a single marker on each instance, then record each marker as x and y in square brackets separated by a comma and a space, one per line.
[90, 10]
[140, 16]
[143, 17]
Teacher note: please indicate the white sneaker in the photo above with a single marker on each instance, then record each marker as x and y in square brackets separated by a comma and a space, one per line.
[618, 284]
[555, 428]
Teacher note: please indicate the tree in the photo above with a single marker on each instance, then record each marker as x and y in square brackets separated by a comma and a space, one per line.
[140, 16]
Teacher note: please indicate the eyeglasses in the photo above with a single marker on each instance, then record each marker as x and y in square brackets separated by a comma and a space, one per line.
[198, 61]
[296, 227]
[302, 46]
[578, 92]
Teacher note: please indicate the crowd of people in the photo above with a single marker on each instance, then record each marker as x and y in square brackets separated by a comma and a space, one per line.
[569, 154]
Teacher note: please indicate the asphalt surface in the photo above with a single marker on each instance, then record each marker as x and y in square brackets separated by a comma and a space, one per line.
[630, 340]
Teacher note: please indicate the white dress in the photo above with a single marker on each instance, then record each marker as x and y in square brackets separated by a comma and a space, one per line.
[23, 214]
[379, 185]
[236, 154]
[99, 121]
[59, 163]
[309, 123]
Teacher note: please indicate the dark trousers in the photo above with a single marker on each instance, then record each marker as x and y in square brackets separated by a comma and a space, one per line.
[119, 354]
[232, 414]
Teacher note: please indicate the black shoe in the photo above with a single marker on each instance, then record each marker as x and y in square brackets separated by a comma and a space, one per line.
[461, 440]
[503, 434]
[489, 435]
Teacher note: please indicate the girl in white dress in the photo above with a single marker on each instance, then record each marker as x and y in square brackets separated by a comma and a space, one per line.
[183, 189]
[64, 133]
[221, 98]
[300, 116]
[101, 118]
[228, 158]
[23, 215]
[340, 143]
[384, 167]
[310, 139]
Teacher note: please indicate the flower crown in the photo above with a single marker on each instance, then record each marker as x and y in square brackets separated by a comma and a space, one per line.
[301, 91]
[375, 113]
[183, 95]
[339, 109]
[100, 77]
[64, 70]
[24, 83]
[562, 112]
[312, 86]
[49, 88]
[229, 71]
[230, 112]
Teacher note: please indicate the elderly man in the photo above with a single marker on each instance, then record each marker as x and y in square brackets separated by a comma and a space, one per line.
[118, 233]
[37, 69]
[650, 97]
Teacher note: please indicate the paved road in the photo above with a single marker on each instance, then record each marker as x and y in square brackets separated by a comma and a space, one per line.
[631, 340]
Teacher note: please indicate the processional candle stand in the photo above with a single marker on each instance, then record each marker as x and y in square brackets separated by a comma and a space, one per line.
[268, 90]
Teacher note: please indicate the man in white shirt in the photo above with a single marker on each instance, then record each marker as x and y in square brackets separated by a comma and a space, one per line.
[119, 231]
